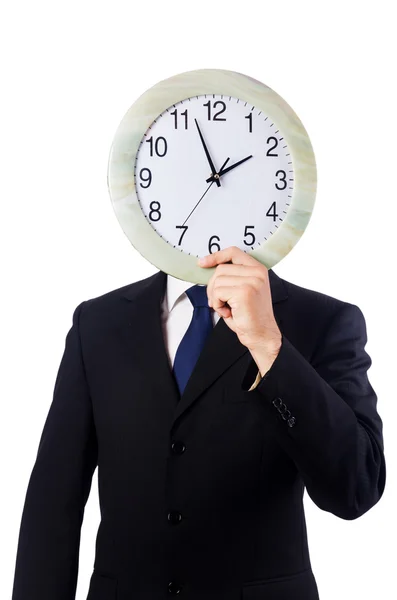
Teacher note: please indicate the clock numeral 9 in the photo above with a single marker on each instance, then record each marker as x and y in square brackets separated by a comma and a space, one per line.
[146, 177]
[275, 140]
[211, 244]
[282, 178]
[155, 214]
[216, 116]
[270, 213]
[252, 241]
[175, 114]
[157, 146]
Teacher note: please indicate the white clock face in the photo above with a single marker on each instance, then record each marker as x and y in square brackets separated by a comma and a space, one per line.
[241, 205]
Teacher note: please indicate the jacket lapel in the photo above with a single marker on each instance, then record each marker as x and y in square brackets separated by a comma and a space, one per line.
[141, 329]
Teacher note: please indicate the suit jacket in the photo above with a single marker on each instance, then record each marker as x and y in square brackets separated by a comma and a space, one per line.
[200, 495]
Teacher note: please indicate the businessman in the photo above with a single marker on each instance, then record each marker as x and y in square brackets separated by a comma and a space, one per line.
[208, 410]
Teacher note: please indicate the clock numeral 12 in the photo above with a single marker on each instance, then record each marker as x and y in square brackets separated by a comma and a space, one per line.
[216, 116]
[175, 114]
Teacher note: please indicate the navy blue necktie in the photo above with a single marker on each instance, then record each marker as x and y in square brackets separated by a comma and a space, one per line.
[196, 334]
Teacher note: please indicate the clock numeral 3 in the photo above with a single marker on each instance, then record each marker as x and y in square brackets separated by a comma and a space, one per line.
[216, 116]
[155, 214]
[282, 178]
[175, 114]
[252, 241]
[272, 214]
[146, 176]
[184, 227]
[275, 140]
[211, 244]
[160, 146]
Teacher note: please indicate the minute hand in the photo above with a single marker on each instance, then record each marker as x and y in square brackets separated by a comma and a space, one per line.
[210, 161]
[223, 171]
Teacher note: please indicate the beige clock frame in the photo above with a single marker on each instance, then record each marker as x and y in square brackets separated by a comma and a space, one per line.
[121, 181]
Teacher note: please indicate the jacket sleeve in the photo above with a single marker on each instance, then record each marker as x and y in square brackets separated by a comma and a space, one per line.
[48, 547]
[324, 415]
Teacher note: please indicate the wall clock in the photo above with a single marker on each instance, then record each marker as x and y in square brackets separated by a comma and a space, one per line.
[209, 159]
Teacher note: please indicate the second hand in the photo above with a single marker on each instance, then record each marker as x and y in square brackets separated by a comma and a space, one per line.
[213, 181]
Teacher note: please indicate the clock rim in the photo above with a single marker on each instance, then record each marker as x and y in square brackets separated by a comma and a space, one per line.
[140, 116]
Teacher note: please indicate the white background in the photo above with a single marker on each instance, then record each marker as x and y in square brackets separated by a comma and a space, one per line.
[69, 73]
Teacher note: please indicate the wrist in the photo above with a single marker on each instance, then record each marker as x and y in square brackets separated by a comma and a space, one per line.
[265, 352]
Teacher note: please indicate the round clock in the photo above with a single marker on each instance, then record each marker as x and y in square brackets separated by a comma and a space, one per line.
[209, 159]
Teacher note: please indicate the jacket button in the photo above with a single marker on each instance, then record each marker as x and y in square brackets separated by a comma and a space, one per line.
[174, 587]
[174, 517]
[284, 414]
[277, 402]
[178, 447]
[291, 422]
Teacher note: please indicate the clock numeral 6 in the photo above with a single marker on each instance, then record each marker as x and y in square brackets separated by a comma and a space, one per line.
[159, 144]
[252, 241]
[275, 140]
[155, 214]
[216, 116]
[211, 244]
[146, 177]
[270, 213]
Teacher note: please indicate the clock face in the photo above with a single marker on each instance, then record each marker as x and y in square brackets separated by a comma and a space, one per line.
[189, 186]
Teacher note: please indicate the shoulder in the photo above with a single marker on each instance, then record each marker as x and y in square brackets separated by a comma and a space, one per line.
[313, 299]
[309, 314]
[107, 304]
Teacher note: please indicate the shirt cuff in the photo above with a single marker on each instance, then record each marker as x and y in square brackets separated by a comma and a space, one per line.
[257, 380]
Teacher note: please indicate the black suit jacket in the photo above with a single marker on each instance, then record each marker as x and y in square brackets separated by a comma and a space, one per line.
[200, 495]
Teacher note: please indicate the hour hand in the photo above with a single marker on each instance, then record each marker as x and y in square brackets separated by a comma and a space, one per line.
[213, 170]
[223, 170]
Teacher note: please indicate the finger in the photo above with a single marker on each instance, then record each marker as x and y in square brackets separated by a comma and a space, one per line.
[232, 253]
[221, 295]
[259, 271]
[233, 281]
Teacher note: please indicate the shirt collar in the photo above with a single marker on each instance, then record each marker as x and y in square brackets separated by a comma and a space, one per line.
[174, 289]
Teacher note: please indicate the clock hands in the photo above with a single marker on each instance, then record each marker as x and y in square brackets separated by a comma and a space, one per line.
[217, 176]
[213, 170]
[213, 181]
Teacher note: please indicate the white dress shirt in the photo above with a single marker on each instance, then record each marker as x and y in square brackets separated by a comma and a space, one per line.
[177, 312]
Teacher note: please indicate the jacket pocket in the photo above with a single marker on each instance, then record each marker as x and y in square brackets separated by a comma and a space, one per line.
[102, 587]
[300, 585]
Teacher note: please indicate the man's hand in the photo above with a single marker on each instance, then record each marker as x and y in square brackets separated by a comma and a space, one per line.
[244, 286]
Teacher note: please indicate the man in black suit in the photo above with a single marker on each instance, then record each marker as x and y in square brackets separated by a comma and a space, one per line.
[201, 491]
